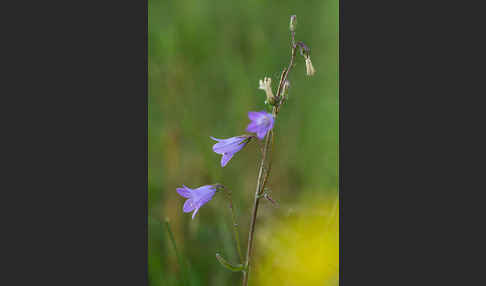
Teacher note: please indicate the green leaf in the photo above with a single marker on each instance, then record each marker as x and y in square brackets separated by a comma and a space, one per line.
[226, 264]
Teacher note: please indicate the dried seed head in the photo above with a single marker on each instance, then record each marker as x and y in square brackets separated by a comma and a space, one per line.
[266, 85]
[308, 67]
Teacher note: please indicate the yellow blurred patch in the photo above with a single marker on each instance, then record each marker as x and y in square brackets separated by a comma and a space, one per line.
[303, 249]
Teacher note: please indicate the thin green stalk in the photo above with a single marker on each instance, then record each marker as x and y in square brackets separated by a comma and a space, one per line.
[179, 258]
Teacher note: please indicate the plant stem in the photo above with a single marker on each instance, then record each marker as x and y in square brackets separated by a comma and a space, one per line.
[265, 157]
[256, 201]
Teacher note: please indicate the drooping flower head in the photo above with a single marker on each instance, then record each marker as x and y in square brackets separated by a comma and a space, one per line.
[261, 123]
[309, 68]
[196, 198]
[228, 147]
[305, 52]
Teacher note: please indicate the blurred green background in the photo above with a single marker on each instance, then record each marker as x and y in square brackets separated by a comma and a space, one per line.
[205, 61]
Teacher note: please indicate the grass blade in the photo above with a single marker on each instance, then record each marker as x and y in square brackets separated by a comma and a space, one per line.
[179, 258]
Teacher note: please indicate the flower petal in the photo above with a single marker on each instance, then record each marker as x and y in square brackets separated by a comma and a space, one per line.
[233, 144]
[255, 115]
[261, 123]
[225, 159]
[252, 127]
[194, 213]
[189, 205]
[261, 133]
[204, 194]
[184, 191]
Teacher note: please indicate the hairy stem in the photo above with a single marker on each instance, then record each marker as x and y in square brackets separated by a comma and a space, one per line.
[262, 174]
[259, 189]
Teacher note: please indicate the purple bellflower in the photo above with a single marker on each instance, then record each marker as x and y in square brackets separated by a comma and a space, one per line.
[196, 198]
[228, 147]
[261, 123]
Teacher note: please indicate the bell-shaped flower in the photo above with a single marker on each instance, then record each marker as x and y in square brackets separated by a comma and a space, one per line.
[228, 147]
[196, 198]
[261, 123]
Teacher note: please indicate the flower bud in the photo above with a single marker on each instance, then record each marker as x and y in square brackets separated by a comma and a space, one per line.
[293, 23]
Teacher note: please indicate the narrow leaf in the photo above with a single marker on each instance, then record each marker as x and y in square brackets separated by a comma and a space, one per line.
[226, 264]
[179, 258]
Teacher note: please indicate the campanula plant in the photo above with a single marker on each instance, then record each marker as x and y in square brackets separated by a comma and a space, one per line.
[261, 124]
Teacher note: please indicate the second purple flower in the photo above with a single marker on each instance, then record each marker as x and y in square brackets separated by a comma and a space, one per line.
[228, 147]
[261, 123]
